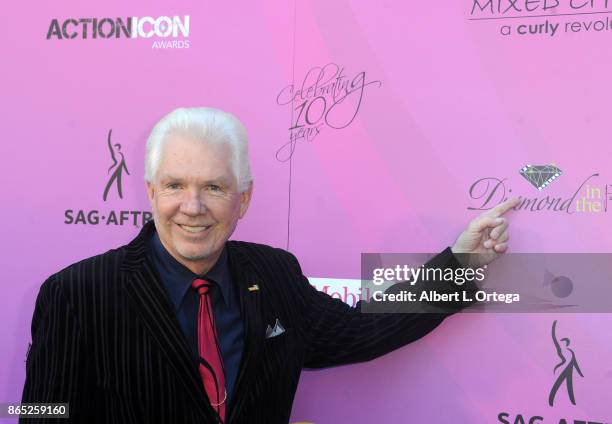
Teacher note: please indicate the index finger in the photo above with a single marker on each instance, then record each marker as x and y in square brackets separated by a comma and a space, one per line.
[504, 207]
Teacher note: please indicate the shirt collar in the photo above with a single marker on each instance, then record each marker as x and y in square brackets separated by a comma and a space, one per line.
[219, 273]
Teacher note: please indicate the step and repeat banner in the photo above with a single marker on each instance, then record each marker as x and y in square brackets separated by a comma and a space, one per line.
[373, 127]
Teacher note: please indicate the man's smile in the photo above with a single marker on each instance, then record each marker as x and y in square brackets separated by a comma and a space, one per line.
[194, 229]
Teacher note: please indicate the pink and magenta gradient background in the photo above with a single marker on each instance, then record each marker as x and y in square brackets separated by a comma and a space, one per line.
[458, 102]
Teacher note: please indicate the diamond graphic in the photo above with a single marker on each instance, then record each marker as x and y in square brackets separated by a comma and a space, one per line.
[540, 176]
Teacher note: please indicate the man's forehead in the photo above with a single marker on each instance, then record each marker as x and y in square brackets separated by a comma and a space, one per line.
[183, 148]
[186, 142]
[187, 159]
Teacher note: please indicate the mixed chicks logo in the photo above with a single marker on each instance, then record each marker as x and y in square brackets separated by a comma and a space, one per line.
[114, 175]
[543, 18]
[511, 7]
[159, 29]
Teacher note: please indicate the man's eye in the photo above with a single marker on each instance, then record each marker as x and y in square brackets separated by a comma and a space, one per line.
[214, 187]
[173, 186]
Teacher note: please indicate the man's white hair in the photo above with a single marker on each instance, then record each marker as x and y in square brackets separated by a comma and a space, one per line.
[208, 125]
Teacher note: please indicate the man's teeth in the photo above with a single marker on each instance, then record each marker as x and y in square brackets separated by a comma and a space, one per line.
[193, 229]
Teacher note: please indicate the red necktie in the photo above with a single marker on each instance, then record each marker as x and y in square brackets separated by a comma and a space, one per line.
[211, 363]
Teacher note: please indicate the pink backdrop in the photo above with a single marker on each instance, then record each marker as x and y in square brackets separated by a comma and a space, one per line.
[446, 100]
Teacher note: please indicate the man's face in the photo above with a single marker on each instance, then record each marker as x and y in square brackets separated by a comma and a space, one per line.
[195, 201]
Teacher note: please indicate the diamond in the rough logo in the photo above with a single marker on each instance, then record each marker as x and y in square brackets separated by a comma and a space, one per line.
[540, 176]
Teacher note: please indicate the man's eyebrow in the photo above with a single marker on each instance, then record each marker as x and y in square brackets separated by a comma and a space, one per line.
[165, 178]
[222, 179]
[218, 180]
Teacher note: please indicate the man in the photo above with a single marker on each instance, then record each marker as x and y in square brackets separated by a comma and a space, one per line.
[182, 325]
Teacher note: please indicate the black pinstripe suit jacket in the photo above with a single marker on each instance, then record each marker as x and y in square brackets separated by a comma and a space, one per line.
[106, 339]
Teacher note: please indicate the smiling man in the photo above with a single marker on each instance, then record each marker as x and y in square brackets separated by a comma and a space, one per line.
[195, 199]
[182, 325]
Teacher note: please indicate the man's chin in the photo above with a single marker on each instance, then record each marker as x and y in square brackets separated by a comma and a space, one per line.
[198, 254]
[194, 257]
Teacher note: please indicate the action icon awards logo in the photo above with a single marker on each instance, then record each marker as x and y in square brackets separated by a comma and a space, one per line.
[327, 97]
[113, 190]
[131, 28]
[540, 175]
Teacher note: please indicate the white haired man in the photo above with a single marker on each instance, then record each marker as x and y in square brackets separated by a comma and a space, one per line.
[182, 325]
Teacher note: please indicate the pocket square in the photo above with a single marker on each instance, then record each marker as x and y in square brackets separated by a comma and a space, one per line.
[277, 330]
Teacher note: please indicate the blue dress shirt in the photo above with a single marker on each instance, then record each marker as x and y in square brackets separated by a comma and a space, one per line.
[177, 280]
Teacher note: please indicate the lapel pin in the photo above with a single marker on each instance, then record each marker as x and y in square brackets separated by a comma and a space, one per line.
[253, 288]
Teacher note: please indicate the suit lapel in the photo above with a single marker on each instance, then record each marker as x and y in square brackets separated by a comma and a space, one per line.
[146, 293]
[244, 275]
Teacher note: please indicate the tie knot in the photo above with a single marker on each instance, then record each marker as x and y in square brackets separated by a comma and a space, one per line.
[201, 286]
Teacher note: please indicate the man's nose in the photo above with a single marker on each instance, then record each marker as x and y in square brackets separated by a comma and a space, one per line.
[193, 203]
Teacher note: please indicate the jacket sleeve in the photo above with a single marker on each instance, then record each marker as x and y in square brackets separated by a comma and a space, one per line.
[56, 365]
[338, 334]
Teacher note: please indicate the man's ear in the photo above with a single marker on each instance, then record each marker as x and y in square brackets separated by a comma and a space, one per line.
[245, 199]
[150, 191]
